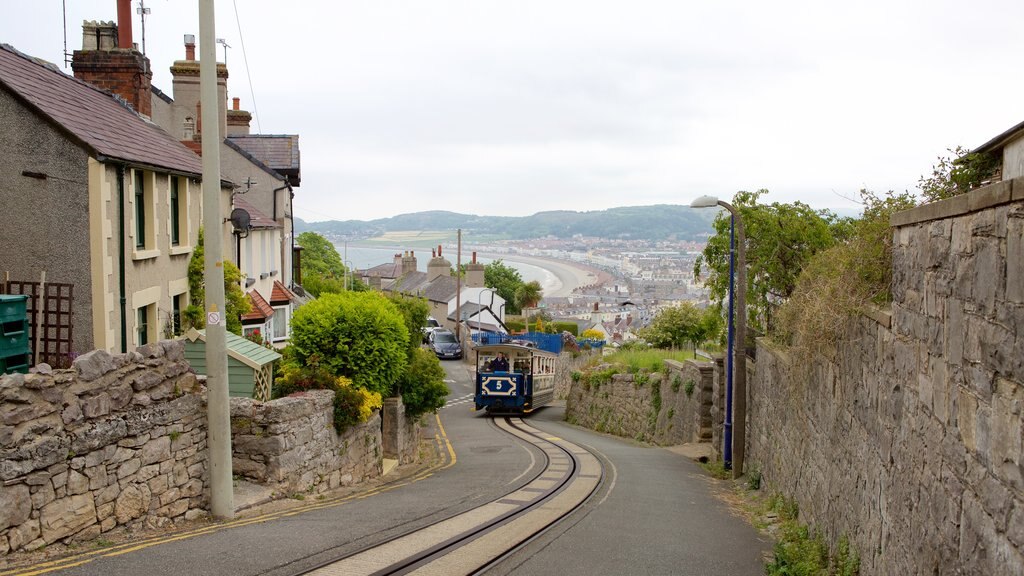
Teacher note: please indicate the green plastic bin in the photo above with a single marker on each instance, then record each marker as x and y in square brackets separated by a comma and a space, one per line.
[13, 307]
[15, 363]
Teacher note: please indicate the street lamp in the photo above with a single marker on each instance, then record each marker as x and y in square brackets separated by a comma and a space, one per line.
[735, 410]
[348, 281]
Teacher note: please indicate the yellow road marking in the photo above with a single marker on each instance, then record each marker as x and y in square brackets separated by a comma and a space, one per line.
[109, 552]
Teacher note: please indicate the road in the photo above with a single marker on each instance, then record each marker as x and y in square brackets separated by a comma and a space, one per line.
[653, 512]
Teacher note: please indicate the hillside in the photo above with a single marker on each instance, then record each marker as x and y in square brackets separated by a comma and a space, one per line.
[658, 222]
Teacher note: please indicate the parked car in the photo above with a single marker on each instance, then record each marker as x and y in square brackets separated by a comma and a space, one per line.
[444, 343]
[432, 324]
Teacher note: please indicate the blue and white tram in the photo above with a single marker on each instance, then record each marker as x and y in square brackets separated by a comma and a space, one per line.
[514, 378]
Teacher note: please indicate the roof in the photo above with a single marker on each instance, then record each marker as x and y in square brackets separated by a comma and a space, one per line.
[92, 118]
[514, 348]
[245, 351]
[260, 309]
[257, 219]
[278, 151]
[1001, 140]
[280, 294]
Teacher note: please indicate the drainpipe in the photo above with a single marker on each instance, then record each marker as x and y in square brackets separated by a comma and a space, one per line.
[120, 257]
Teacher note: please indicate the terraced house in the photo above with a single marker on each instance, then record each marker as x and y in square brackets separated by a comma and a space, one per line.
[95, 194]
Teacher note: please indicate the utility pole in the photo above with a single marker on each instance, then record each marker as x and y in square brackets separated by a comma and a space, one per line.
[218, 411]
[458, 288]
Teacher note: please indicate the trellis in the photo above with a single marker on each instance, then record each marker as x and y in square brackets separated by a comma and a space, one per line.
[50, 309]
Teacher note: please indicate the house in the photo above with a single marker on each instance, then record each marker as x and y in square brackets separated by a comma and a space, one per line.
[1008, 147]
[95, 194]
[267, 169]
[438, 286]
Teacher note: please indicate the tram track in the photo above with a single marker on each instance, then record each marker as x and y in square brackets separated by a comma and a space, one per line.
[471, 541]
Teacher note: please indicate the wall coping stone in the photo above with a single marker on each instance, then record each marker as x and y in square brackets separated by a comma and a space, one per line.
[881, 315]
[978, 199]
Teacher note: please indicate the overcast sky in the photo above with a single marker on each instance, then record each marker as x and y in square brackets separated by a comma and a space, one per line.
[514, 107]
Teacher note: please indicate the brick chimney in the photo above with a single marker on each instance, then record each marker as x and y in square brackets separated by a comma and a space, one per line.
[114, 66]
[474, 274]
[438, 266]
[238, 120]
[185, 92]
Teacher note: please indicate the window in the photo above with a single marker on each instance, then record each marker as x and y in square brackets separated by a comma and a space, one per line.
[142, 325]
[140, 210]
[175, 214]
[176, 305]
[280, 320]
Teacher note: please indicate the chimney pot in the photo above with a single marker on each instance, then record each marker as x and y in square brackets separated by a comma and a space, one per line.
[438, 250]
[190, 47]
[124, 24]
[234, 103]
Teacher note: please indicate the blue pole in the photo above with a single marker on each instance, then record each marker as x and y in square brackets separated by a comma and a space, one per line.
[727, 451]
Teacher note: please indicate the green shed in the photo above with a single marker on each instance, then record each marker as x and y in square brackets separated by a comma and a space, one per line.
[250, 366]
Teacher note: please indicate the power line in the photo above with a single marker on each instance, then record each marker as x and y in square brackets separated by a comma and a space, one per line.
[245, 58]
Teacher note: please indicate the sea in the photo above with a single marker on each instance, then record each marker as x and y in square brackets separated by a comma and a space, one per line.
[356, 256]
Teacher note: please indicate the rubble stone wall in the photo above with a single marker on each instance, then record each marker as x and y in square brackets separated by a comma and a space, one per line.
[113, 441]
[667, 408]
[291, 444]
[910, 440]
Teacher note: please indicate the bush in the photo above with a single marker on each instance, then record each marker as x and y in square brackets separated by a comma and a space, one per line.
[351, 405]
[570, 327]
[359, 335]
[422, 387]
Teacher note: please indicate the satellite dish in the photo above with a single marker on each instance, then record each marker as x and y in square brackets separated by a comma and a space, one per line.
[240, 221]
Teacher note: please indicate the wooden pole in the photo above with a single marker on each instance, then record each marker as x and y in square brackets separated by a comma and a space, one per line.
[40, 316]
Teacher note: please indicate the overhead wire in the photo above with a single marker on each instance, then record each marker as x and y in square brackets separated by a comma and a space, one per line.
[245, 58]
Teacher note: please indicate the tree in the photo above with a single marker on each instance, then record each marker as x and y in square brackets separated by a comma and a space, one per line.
[781, 238]
[673, 327]
[360, 335]
[505, 280]
[322, 269]
[236, 303]
[528, 295]
[957, 174]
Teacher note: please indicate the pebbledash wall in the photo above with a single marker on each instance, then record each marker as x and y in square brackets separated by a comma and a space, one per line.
[910, 440]
[666, 408]
[120, 441]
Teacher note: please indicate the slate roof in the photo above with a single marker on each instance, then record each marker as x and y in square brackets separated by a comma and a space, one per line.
[91, 117]
[257, 219]
[278, 151]
[441, 289]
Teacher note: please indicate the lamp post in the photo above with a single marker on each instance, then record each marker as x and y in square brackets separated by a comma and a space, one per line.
[738, 364]
[348, 274]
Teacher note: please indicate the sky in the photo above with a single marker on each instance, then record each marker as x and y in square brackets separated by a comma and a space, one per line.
[515, 107]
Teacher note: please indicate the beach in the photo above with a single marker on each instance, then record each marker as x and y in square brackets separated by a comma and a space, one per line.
[563, 277]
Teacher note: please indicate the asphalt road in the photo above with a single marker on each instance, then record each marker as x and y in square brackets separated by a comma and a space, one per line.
[654, 514]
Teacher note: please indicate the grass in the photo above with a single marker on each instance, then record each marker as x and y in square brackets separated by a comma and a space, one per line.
[651, 360]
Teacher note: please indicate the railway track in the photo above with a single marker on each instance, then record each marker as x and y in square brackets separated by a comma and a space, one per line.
[470, 542]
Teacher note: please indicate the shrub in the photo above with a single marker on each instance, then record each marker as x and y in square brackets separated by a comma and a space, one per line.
[353, 405]
[359, 335]
[422, 386]
[676, 383]
[688, 389]
[570, 327]
[592, 334]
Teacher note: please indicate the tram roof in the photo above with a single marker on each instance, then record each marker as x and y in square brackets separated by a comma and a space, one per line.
[513, 348]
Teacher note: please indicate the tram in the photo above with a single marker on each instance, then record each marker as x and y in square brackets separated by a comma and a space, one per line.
[513, 378]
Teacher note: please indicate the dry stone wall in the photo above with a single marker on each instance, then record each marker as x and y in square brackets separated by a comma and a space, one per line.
[567, 364]
[113, 441]
[672, 407]
[910, 440]
[290, 444]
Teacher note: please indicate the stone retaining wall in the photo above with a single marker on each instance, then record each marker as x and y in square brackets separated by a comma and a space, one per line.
[114, 441]
[910, 441]
[290, 444]
[401, 434]
[566, 365]
[652, 407]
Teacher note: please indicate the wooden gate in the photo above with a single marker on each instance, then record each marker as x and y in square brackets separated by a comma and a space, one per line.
[49, 318]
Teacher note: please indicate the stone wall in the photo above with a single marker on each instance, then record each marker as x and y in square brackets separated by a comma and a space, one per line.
[649, 407]
[290, 444]
[400, 434]
[567, 364]
[910, 440]
[113, 441]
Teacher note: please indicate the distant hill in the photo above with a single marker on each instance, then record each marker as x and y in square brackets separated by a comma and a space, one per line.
[658, 222]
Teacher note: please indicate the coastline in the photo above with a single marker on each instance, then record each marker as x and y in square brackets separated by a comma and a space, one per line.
[570, 275]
